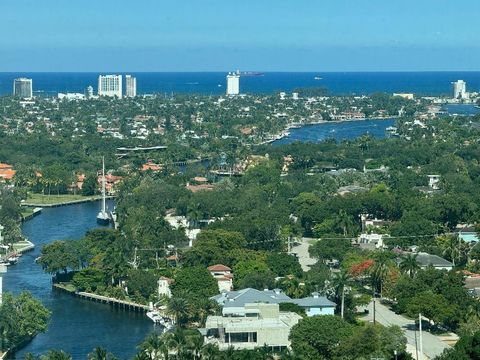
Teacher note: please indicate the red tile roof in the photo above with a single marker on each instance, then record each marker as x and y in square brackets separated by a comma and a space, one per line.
[219, 267]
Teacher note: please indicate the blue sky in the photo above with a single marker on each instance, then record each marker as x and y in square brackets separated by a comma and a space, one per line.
[214, 35]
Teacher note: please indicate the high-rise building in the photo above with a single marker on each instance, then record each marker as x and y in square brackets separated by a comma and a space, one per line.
[89, 92]
[130, 86]
[110, 85]
[23, 88]
[459, 89]
[233, 84]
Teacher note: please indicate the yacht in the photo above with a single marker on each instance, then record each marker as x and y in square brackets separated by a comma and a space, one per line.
[102, 217]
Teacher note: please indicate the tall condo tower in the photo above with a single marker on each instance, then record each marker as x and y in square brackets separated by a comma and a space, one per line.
[110, 85]
[459, 89]
[130, 86]
[22, 87]
[89, 92]
[233, 84]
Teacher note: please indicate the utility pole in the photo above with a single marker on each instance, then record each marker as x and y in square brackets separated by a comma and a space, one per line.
[374, 322]
[416, 345]
[421, 338]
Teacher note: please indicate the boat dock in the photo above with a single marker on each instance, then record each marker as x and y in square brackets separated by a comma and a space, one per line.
[36, 211]
[64, 203]
[23, 246]
[121, 304]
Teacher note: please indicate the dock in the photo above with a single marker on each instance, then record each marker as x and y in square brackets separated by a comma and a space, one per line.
[36, 211]
[117, 303]
[64, 203]
[23, 246]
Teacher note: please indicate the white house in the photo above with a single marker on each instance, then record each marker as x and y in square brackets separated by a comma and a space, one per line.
[164, 286]
[223, 275]
[261, 325]
[233, 302]
[373, 241]
[434, 182]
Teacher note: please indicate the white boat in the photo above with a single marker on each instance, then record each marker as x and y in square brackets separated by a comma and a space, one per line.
[317, 78]
[155, 317]
[102, 217]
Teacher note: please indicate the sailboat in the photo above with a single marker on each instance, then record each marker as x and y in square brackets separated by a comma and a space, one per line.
[102, 217]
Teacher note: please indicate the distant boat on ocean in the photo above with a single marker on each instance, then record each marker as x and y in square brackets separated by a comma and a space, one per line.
[250, 73]
[317, 78]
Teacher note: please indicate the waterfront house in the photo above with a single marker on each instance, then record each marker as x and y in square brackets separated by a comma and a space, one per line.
[164, 286]
[223, 275]
[260, 325]
[233, 302]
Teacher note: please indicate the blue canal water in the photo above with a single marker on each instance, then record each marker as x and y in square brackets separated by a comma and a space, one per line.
[424, 83]
[76, 326]
[345, 130]
[462, 109]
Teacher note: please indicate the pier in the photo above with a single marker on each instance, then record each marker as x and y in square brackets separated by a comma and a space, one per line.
[121, 304]
[64, 203]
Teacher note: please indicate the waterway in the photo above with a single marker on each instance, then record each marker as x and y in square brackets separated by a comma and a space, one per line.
[76, 326]
[344, 130]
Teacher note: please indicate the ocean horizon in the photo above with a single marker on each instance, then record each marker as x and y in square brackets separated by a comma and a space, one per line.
[213, 83]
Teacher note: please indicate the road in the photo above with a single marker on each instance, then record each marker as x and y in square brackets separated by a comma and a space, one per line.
[301, 250]
[432, 345]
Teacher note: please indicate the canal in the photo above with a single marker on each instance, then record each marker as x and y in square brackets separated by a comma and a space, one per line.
[345, 130]
[76, 326]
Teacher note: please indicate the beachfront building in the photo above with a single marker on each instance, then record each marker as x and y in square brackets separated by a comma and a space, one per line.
[459, 88]
[110, 85]
[261, 325]
[23, 88]
[130, 86]
[233, 84]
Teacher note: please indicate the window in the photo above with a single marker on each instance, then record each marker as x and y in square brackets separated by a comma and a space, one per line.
[242, 337]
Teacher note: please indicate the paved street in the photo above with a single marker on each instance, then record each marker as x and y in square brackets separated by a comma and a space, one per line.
[432, 344]
[301, 250]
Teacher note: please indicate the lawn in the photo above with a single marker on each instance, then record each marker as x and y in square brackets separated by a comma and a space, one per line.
[56, 199]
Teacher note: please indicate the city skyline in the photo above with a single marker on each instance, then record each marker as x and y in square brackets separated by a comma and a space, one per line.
[219, 36]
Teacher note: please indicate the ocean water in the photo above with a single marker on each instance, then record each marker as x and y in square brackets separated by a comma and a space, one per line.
[337, 83]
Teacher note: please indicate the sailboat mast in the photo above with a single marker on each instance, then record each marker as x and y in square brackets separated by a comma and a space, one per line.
[103, 186]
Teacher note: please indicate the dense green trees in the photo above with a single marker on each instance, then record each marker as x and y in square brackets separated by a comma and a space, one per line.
[194, 284]
[318, 337]
[21, 318]
[439, 295]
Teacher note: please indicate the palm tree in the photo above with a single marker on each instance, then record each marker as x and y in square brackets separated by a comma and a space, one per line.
[100, 353]
[380, 270]
[409, 265]
[344, 221]
[178, 309]
[340, 282]
[153, 347]
[56, 355]
[209, 352]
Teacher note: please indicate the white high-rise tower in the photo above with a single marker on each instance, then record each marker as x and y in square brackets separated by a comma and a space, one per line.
[459, 89]
[110, 85]
[130, 86]
[233, 84]
[23, 88]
